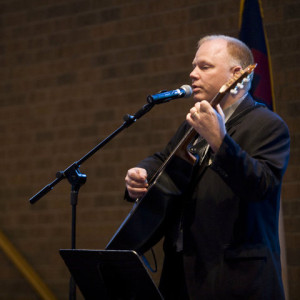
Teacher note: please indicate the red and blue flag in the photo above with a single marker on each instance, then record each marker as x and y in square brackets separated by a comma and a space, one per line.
[252, 33]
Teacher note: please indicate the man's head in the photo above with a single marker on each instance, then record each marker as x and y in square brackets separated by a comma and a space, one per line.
[217, 59]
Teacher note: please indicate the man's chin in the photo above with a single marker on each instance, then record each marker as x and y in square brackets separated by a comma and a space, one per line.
[198, 98]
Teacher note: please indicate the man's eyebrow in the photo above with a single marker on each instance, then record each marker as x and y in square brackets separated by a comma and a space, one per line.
[201, 62]
[195, 62]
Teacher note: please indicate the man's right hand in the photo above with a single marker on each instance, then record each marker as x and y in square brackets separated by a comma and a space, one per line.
[136, 182]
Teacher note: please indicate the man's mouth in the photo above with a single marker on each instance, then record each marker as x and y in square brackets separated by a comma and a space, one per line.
[196, 89]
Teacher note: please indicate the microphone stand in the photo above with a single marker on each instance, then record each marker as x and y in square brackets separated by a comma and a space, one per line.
[77, 179]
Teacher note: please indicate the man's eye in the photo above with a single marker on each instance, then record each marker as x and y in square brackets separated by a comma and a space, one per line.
[205, 67]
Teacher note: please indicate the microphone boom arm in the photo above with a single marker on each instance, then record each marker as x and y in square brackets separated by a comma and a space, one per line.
[67, 173]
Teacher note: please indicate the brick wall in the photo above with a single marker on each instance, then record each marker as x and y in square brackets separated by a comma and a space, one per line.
[69, 71]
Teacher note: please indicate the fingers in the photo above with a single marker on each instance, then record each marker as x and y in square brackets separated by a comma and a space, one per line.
[220, 111]
[136, 182]
[194, 115]
[201, 109]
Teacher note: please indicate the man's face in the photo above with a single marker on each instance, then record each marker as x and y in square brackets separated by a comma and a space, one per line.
[211, 69]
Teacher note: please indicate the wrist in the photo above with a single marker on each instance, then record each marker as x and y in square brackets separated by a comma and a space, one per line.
[215, 146]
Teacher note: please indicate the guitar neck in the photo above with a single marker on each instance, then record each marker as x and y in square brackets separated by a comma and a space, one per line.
[179, 150]
[217, 99]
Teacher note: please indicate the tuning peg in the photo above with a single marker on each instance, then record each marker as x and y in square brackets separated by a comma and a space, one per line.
[246, 79]
[234, 91]
[240, 85]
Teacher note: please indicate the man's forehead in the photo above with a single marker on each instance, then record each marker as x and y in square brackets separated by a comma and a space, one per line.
[216, 45]
[211, 48]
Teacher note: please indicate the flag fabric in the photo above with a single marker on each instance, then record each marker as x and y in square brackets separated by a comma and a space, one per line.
[252, 33]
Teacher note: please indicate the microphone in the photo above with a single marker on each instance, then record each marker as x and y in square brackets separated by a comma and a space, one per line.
[165, 96]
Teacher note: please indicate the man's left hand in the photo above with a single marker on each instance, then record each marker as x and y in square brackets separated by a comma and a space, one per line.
[208, 122]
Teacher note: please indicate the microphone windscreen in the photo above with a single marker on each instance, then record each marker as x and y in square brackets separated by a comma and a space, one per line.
[188, 90]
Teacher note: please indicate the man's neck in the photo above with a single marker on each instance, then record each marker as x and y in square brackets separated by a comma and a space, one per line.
[230, 99]
[229, 110]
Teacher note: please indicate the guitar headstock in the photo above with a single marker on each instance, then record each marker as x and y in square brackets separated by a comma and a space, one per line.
[238, 80]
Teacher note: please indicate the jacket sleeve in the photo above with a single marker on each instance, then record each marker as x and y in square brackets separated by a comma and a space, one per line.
[255, 166]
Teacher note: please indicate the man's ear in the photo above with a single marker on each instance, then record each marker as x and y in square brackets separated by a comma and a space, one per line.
[236, 70]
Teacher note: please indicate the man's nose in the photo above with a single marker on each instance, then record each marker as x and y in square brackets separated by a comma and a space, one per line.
[194, 74]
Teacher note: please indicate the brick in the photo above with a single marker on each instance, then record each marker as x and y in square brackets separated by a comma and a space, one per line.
[70, 70]
[292, 224]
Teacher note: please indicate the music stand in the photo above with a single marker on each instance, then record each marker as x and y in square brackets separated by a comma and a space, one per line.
[110, 274]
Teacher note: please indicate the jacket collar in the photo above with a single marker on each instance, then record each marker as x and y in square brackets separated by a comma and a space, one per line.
[245, 106]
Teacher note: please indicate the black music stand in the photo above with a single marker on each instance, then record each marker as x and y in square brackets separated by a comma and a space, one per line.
[110, 274]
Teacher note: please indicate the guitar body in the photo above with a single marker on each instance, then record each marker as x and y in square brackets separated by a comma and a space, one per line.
[146, 222]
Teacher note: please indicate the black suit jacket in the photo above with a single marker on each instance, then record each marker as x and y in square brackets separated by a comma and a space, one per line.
[230, 212]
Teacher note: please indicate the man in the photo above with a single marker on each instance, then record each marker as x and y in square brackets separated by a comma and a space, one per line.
[224, 242]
